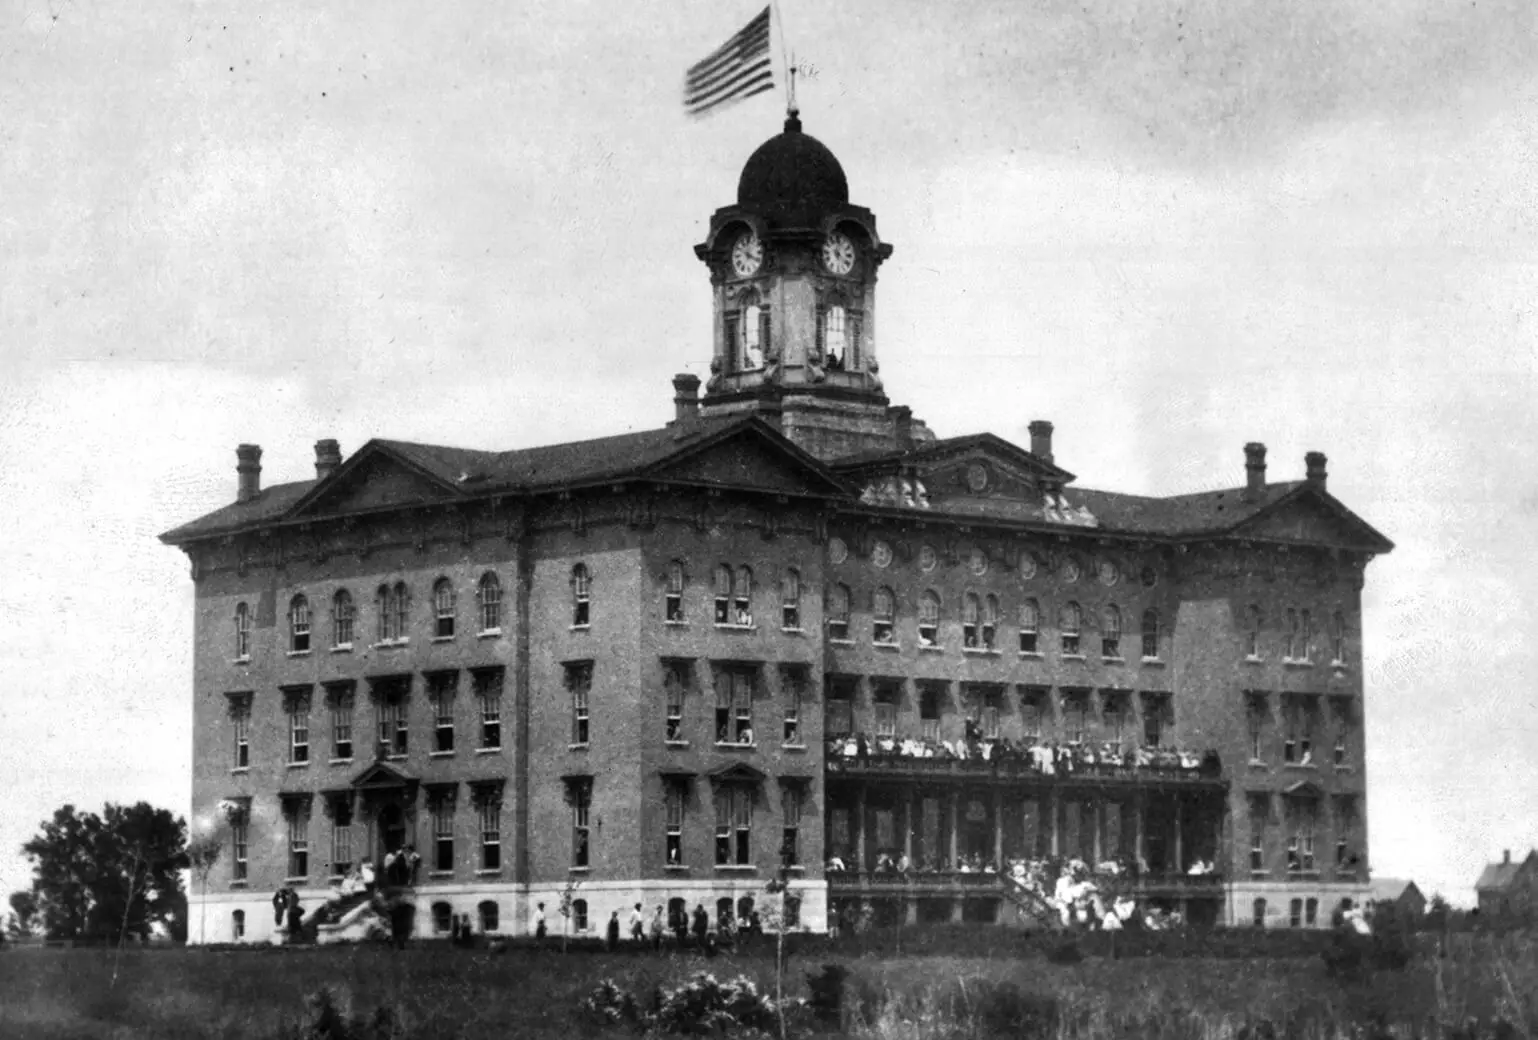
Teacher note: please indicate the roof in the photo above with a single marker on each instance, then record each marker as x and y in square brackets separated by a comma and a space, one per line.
[1500, 875]
[1391, 890]
[792, 179]
[270, 504]
[1200, 512]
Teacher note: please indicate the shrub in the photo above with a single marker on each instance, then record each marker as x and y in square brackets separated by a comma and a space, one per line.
[702, 1006]
[331, 1018]
[1003, 1009]
[827, 991]
[1065, 952]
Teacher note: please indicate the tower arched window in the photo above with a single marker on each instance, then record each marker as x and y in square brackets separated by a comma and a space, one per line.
[673, 608]
[929, 619]
[755, 337]
[1070, 625]
[392, 612]
[581, 592]
[835, 337]
[343, 615]
[970, 611]
[1110, 632]
[838, 612]
[742, 597]
[1030, 627]
[242, 632]
[884, 616]
[489, 593]
[1252, 632]
[1151, 633]
[299, 625]
[790, 599]
[443, 609]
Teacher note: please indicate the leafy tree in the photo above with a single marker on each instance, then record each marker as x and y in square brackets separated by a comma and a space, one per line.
[109, 876]
[23, 913]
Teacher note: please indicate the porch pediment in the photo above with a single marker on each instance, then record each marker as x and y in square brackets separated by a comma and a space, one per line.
[1304, 789]
[381, 776]
[737, 773]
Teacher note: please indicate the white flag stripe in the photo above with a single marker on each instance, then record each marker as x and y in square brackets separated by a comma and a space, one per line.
[759, 85]
[739, 68]
[726, 85]
[757, 27]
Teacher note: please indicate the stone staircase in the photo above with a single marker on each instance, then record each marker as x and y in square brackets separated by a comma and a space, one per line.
[1033, 909]
[356, 918]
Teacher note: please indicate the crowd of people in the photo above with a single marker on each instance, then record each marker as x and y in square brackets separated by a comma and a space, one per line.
[1048, 758]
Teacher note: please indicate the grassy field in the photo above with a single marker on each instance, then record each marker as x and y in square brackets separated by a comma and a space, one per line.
[435, 991]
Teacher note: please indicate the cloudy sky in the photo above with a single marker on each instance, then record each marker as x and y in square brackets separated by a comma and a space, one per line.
[1168, 227]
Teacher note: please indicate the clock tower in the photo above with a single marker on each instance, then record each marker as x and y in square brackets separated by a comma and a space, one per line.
[793, 272]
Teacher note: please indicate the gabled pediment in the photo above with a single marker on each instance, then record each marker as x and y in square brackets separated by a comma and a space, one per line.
[749, 455]
[737, 773]
[1312, 517]
[377, 477]
[1304, 789]
[381, 776]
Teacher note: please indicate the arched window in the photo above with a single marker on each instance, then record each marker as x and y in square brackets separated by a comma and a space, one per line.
[929, 619]
[242, 632]
[299, 625]
[581, 589]
[970, 609]
[443, 609]
[744, 908]
[1151, 633]
[1258, 913]
[835, 337]
[723, 595]
[489, 593]
[1110, 632]
[1030, 627]
[443, 918]
[884, 616]
[742, 598]
[755, 337]
[1338, 637]
[724, 912]
[990, 621]
[579, 915]
[673, 609]
[678, 913]
[838, 612]
[1291, 651]
[1252, 632]
[790, 599]
[487, 911]
[238, 925]
[1070, 623]
[343, 614]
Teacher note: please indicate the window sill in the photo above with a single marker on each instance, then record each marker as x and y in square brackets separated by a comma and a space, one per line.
[489, 873]
[489, 633]
[237, 770]
[1260, 874]
[676, 743]
[580, 746]
[390, 644]
[1112, 660]
[678, 623]
[840, 642]
[489, 750]
[736, 628]
[676, 868]
[1152, 662]
[1258, 763]
[1298, 662]
[737, 868]
[1034, 655]
[440, 874]
[342, 648]
[298, 765]
[792, 747]
[340, 761]
[736, 744]
[442, 639]
[577, 870]
[793, 630]
[1339, 666]
[982, 651]
[1073, 657]
[1300, 765]
[242, 660]
[298, 653]
[302, 879]
[1341, 767]
[581, 628]
[240, 884]
[1303, 875]
[440, 754]
[1254, 659]
[395, 757]
[887, 645]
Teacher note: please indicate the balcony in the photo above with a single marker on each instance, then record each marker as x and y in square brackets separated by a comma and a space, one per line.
[918, 759]
[952, 883]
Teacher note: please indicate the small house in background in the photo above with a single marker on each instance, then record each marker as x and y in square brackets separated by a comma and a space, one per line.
[1508, 888]
[1406, 896]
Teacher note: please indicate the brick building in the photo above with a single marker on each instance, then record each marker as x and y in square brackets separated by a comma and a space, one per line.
[792, 622]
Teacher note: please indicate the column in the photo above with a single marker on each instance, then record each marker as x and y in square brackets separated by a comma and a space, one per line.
[908, 815]
[1140, 835]
[998, 828]
[859, 828]
[1097, 820]
[954, 825]
[1180, 863]
[1053, 813]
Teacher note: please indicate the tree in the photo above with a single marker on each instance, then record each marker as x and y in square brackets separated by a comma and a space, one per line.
[109, 876]
[202, 855]
[23, 914]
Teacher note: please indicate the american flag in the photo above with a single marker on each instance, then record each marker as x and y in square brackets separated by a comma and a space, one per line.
[739, 69]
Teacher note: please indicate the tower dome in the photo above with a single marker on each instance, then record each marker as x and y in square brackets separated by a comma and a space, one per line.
[792, 179]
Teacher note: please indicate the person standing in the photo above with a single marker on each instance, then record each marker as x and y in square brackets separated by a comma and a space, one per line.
[612, 935]
[413, 863]
[657, 929]
[279, 905]
[539, 921]
[701, 923]
[637, 924]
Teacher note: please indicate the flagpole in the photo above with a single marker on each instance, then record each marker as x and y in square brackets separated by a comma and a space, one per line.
[778, 17]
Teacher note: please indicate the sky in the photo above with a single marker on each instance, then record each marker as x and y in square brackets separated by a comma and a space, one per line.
[1170, 228]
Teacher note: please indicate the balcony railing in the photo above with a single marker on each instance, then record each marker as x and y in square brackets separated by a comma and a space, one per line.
[952, 882]
[907, 757]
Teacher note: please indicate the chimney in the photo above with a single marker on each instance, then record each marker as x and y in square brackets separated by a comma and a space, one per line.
[686, 402]
[1506, 857]
[327, 458]
[248, 470]
[902, 426]
[1041, 439]
[1254, 470]
[1316, 475]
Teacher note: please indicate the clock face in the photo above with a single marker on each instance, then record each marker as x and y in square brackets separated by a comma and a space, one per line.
[838, 253]
[881, 554]
[747, 255]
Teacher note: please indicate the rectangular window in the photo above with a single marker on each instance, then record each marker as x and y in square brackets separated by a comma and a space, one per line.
[442, 695]
[930, 699]
[341, 839]
[886, 711]
[734, 820]
[443, 834]
[1298, 748]
[581, 809]
[990, 622]
[985, 712]
[393, 733]
[342, 616]
[241, 719]
[1300, 842]
[790, 606]
[1115, 722]
[675, 683]
[1310, 912]
[673, 610]
[1340, 726]
[1295, 913]
[674, 836]
[341, 726]
[298, 841]
[1031, 712]
[838, 712]
[1259, 811]
[792, 681]
[299, 618]
[238, 863]
[491, 834]
[790, 811]
[734, 705]
[488, 696]
[1075, 718]
[1345, 835]
[579, 680]
[490, 592]
[1255, 717]
[1258, 913]
[838, 613]
[299, 734]
[1156, 718]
